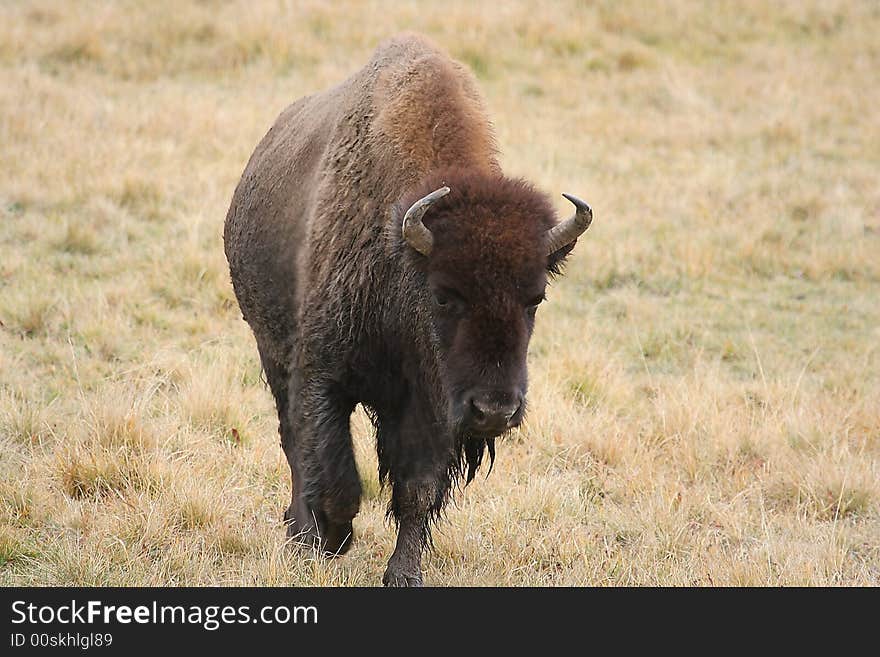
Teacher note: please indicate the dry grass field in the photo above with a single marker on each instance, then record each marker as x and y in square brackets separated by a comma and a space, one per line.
[705, 380]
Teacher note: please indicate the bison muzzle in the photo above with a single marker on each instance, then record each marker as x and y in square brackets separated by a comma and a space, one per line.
[381, 257]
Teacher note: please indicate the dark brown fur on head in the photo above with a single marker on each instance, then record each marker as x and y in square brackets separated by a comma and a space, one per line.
[489, 226]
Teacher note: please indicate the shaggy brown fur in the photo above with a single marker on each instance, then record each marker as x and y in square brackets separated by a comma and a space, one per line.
[345, 312]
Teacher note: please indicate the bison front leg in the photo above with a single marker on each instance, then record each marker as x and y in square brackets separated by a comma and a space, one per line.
[412, 504]
[326, 488]
[416, 458]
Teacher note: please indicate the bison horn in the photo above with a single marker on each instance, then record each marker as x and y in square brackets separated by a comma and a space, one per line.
[414, 231]
[568, 231]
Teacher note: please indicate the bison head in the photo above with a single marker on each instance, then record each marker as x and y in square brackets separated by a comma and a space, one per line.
[485, 246]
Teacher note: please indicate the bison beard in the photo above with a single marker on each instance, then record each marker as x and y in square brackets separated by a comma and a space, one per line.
[366, 281]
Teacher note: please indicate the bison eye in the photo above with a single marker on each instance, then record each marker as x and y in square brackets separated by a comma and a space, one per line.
[447, 300]
[534, 303]
[532, 306]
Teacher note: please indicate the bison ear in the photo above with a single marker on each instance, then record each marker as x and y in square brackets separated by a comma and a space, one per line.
[556, 260]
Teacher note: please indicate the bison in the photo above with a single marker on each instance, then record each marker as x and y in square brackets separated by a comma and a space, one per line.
[381, 257]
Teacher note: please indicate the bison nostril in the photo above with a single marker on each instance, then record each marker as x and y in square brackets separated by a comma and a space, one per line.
[510, 411]
[485, 410]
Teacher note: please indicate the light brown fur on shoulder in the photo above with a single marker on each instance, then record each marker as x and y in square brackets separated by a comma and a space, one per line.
[428, 109]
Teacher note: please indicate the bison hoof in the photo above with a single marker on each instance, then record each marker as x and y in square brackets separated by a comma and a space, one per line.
[337, 539]
[395, 578]
[333, 539]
